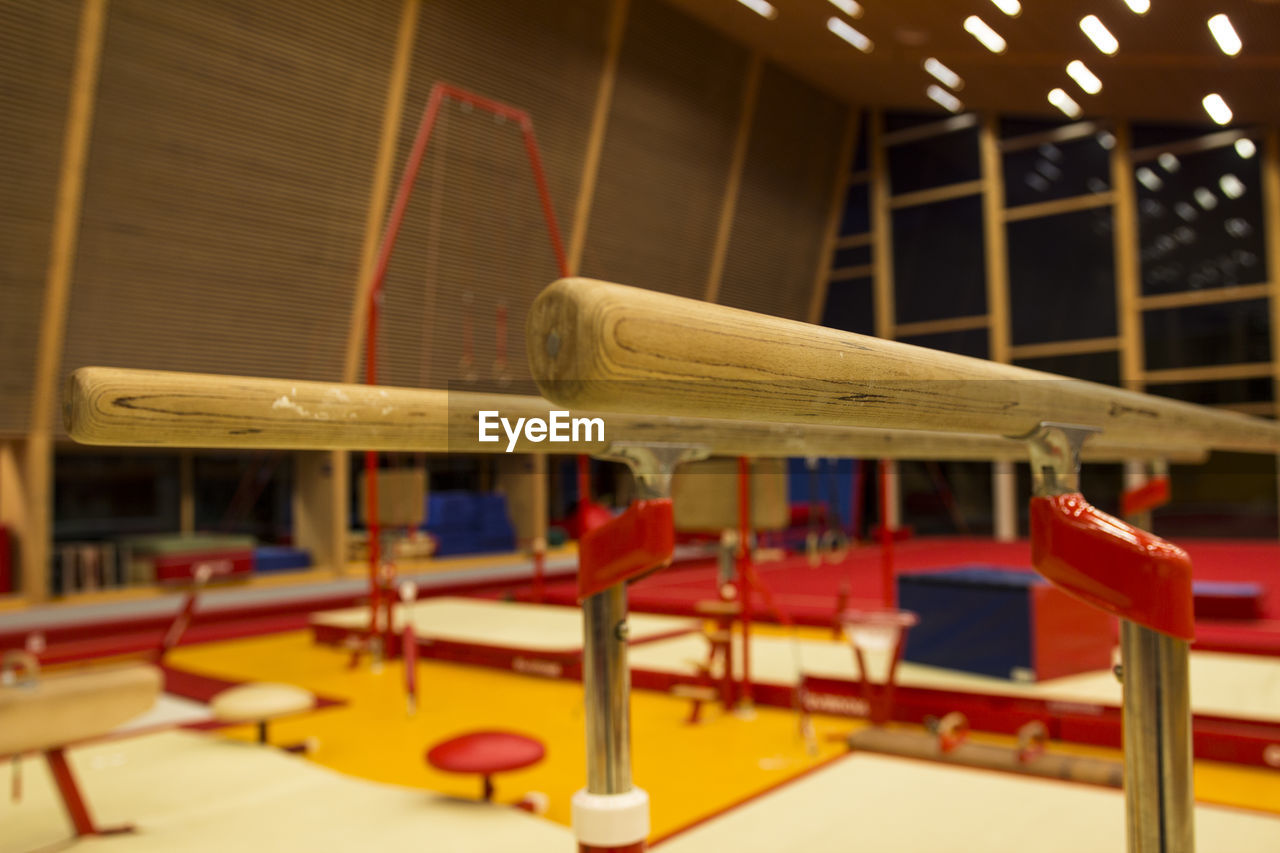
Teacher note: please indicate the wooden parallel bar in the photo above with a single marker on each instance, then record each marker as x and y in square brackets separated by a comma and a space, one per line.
[1214, 296]
[116, 406]
[818, 300]
[930, 130]
[934, 327]
[609, 347]
[1209, 373]
[1207, 142]
[1066, 133]
[1083, 346]
[935, 194]
[1059, 205]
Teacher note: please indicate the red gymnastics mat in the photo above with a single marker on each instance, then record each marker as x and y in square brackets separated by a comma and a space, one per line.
[809, 595]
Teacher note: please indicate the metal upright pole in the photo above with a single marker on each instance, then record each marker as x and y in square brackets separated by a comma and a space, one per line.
[607, 692]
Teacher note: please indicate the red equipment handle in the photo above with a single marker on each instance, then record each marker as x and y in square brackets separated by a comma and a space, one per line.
[1150, 495]
[1112, 565]
[635, 543]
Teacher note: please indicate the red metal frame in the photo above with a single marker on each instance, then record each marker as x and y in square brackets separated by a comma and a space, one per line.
[77, 809]
[440, 92]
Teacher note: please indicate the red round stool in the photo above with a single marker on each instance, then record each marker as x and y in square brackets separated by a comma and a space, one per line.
[486, 753]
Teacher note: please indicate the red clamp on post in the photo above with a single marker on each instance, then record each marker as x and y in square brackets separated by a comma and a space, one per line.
[1150, 495]
[1111, 564]
[635, 543]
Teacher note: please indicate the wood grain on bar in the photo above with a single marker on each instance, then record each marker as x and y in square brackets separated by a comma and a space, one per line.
[614, 348]
[162, 409]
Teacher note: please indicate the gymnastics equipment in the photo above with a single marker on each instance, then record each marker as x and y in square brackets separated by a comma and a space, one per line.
[611, 347]
[260, 703]
[486, 753]
[52, 712]
[409, 646]
[877, 636]
[106, 405]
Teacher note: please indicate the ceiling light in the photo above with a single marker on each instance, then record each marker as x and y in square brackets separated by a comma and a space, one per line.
[1106, 139]
[1064, 102]
[1138, 6]
[1083, 76]
[763, 8]
[1185, 211]
[990, 39]
[1012, 8]
[1168, 162]
[1231, 186]
[945, 99]
[1225, 34]
[1099, 35]
[1217, 108]
[1205, 198]
[849, 7]
[1036, 181]
[849, 34]
[1148, 179]
[943, 74]
[1245, 147]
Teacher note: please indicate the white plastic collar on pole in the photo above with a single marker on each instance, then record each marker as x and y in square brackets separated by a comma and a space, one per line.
[611, 820]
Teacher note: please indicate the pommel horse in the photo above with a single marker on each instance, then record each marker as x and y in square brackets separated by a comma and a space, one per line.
[614, 348]
[153, 408]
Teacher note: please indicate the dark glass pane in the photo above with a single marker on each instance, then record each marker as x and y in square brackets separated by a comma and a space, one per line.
[946, 498]
[103, 495]
[1101, 367]
[1231, 495]
[860, 158]
[1199, 335]
[850, 306]
[939, 261]
[1056, 170]
[852, 257]
[1011, 127]
[1062, 277]
[974, 342]
[1200, 221]
[945, 159]
[902, 121]
[1146, 135]
[856, 218]
[1222, 392]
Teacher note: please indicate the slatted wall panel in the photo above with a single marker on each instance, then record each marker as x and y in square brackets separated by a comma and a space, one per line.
[775, 246]
[229, 174]
[474, 238]
[666, 154]
[37, 50]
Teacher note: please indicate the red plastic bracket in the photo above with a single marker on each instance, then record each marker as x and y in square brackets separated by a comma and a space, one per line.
[633, 544]
[1112, 565]
[1150, 495]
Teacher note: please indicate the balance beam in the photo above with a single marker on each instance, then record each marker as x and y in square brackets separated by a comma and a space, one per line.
[615, 348]
[152, 408]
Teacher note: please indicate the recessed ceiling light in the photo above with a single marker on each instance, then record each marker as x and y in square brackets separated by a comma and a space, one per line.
[850, 35]
[1231, 186]
[1245, 147]
[943, 74]
[1105, 139]
[1148, 179]
[763, 8]
[1084, 77]
[1185, 211]
[1205, 198]
[1099, 34]
[1217, 108]
[979, 29]
[945, 99]
[849, 7]
[1140, 7]
[1225, 34]
[1012, 8]
[1064, 102]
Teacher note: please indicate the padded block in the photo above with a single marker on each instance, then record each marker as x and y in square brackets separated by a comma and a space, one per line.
[275, 558]
[1003, 623]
